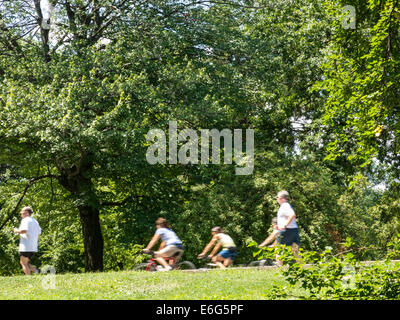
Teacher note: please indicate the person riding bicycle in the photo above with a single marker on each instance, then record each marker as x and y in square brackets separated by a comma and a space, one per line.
[228, 253]
[171, 245]
[272, 237]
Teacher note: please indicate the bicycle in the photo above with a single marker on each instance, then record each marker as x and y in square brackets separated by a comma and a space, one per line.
[208, 265]
[152, 264]
[260, 263]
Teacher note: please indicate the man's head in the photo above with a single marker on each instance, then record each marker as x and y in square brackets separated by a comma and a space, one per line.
[282, 197]
[26, 212]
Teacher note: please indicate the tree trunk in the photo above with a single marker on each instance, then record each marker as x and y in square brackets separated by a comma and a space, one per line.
[81, 188]
[92, 238]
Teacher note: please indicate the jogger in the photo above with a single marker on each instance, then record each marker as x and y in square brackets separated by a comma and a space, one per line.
[29, 232]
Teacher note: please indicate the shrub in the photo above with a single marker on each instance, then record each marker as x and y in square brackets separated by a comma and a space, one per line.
[332, 276]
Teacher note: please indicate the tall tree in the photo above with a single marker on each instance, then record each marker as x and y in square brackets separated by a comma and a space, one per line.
[361, 84]
[67, 107]
[77, 99]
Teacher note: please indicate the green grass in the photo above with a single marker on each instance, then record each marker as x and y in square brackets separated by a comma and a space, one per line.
[229, 284]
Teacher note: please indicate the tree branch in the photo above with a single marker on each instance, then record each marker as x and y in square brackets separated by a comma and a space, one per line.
[28, 185]
[44, 33]
[120, 203]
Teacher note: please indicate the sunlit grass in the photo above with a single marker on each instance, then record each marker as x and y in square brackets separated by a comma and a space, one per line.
[217, 284]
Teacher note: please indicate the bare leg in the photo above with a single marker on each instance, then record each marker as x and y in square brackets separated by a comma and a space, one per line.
[161, 261]
[227, 262]
[32, 268]
[159, 258]
[295, 250]
[24, 261]
[279, 263]
[218, 260]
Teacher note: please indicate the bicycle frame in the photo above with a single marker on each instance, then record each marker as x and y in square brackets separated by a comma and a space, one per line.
[208, 263]
[153, 262]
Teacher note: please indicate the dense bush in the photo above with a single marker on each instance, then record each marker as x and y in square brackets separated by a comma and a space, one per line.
[325, 275]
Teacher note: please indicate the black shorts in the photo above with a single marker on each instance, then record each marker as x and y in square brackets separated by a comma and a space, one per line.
[289, 236]
[27, 254]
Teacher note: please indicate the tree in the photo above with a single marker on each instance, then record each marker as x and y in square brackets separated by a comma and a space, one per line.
[69, 109]
[361, 85]
[77, 99]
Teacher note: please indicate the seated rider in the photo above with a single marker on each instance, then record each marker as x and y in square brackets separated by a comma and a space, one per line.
[228, 253]
[171, 245]
[272, 237]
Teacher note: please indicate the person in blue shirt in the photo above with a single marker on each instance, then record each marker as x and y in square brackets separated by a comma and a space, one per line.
[171, 245]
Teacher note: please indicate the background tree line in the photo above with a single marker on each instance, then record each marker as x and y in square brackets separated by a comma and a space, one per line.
[77, 99]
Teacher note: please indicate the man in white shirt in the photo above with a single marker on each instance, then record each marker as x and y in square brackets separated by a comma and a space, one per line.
[289, 231]
[29, 232]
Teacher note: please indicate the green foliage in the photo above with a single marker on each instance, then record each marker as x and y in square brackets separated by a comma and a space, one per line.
[74, 112]
[9, 259]
[361, 85]
[244, 207]
[324, 275]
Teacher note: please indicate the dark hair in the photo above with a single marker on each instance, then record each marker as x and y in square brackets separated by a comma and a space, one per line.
[162, 222]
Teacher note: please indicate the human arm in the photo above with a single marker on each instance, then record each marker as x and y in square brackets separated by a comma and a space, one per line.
[270, 238]
[152, 242]
[216, 249]
[17, 231]
[162, 245]
[23, 228]
[290, 219]
[208, 247]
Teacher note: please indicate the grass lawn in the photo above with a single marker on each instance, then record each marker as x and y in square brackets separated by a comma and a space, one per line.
[229, 284]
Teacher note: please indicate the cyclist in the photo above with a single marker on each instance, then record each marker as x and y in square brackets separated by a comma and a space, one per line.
[272, 237]
[228, 253]
[171, 245]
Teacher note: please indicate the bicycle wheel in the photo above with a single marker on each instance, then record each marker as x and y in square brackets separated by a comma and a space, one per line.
[254, 263]
[211, 265]
[266, 262]
[185, 265]
[143, 267]
[260, 263]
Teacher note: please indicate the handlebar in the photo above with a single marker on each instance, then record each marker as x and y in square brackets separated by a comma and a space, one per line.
[151, 252]
[204, 258]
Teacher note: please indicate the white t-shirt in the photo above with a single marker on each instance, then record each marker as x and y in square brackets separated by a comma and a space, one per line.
[225, 240]
[28, 241]
[168, 236]
[284, 212]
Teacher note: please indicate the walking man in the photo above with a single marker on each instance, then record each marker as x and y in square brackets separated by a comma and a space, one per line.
[289, 231]
[29, 232]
